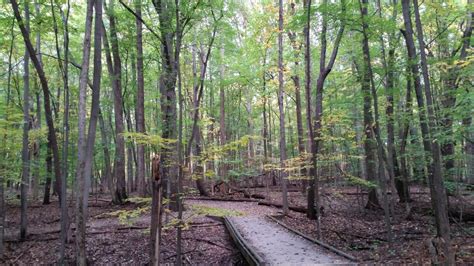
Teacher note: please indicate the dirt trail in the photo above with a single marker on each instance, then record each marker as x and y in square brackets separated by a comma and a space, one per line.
[277, 245]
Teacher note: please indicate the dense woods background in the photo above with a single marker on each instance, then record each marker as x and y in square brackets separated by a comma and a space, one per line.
[172, 99]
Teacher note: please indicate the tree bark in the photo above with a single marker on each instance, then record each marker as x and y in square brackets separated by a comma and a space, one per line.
[308, 80]
[222, 127]
[116, 67]
[324, 71]
[282, 145]
[25, 152]
[52, 140]
[83, 160]
[155, 227]
[140, 107]
[368, 80]
[297, 83]
[167, 84]
[438, 191]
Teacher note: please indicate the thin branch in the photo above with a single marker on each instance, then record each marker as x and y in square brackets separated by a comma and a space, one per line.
[141, 20]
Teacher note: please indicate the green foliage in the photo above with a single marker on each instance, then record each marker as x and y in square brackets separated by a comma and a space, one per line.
[149, 139]
[357, 181]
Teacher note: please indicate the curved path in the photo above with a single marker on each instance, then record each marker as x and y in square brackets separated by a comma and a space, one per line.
[274, 245]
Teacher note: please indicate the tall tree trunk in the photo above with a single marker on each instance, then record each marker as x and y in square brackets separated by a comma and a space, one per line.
[389, 67]
[37, 122]
[438, 191]
[180, 143]
[448, 101]
[324, 71]
[368, 80]
[130, 151]
[107, 176]
[116, 67]
[297, 83]
[25, 152]
[168, 77]
[369, 141]
[84, 160]
[52, 140]
[222, 127]
[282, 145]
[308, 80]
[402, 185]
[140, 106]
[467, 121]
[65, 71]
[198, 169]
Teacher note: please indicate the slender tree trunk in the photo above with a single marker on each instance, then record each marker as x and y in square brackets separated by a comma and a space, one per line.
[107, 176]
[283, 174]
[155, 227]
[180, 144]
[198, 169]
[130, 151]
[324, 71]
[467, 121]
[438, 191]
[52, 140]
[119, 161]
[37, 122]
[368, 80]
[402, 187]
[82, 164]
[297, 83]
[25, 153]
[65, 72]
[222, 127]
[438, 194]
[167, 86]
[140, 107]
[2, 178]
[308, 80]
[49, 171]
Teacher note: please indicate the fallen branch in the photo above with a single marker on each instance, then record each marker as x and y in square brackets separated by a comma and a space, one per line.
[279, 205]
[222, 199]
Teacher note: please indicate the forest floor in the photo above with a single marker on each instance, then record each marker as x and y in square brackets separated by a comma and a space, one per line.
[119, 234]
[347, 225]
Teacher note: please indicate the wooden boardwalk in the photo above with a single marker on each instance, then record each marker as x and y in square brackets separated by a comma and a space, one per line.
[265, 242]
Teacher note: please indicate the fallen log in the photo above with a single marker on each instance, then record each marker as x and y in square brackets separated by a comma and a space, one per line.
[461, 213]
[221, 199]
[246, 193]
[278, 205]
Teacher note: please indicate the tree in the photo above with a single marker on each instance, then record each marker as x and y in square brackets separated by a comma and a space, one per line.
[81, 171]
[140, 107]
[324, 71]
[437, 189]
[369, 88]
[308, 82]
[115, 70]
[296, 80]
[25, 154]
[52, 140]
[438, 193]
[281, 110]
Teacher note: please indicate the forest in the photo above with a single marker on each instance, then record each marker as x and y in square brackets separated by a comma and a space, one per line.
[236, 132]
